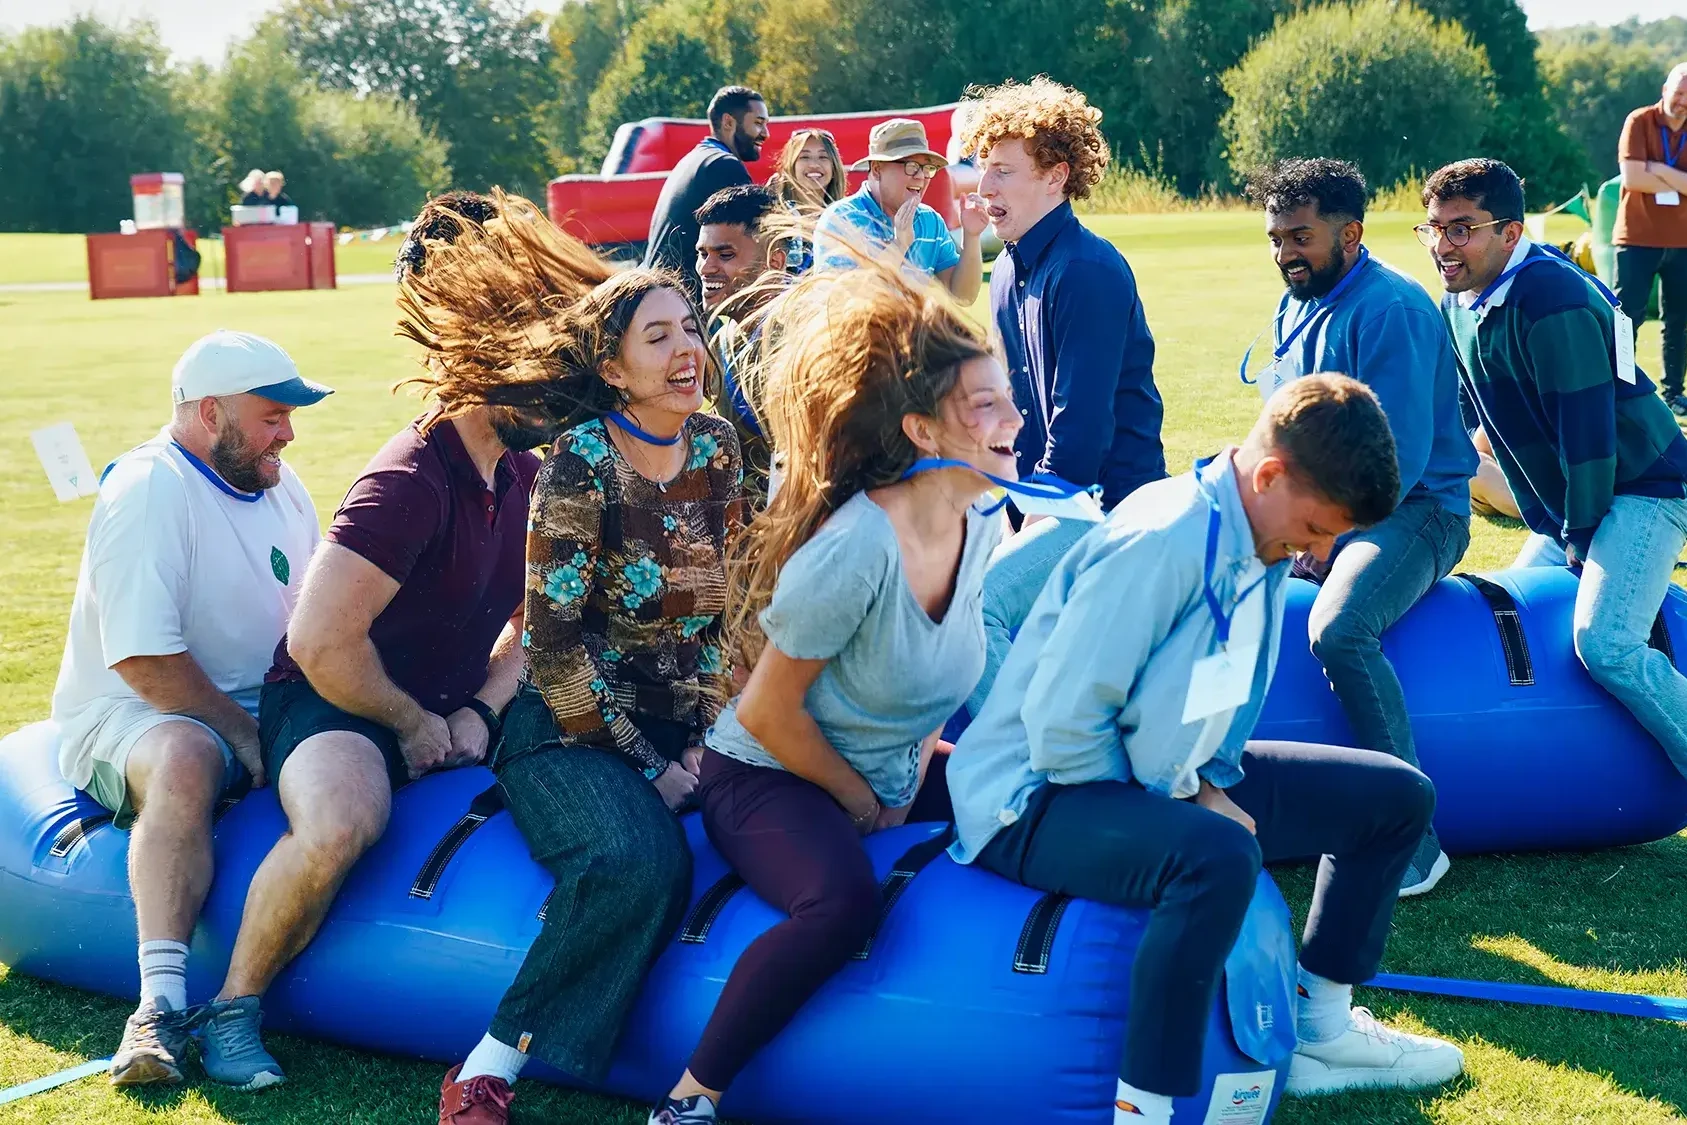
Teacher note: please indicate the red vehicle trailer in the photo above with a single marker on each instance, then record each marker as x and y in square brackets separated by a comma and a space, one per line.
[612, 209]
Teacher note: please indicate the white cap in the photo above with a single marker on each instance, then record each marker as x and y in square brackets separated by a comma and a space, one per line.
[232, 363]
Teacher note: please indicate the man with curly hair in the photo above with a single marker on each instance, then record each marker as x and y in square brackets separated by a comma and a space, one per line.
[1347, 311]
[1072, 330]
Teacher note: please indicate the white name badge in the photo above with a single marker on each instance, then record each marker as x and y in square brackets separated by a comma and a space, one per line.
[1081, 507]
[1220, 682]
[66, 462]
[1667, 198]
[1623, 329]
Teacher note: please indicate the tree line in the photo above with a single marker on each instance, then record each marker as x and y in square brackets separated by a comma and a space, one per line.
[370, 105]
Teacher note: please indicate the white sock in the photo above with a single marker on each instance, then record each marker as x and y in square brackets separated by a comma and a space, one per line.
[1321, 1008]
[1143, 1108]
[494, 1058]
[164, 972]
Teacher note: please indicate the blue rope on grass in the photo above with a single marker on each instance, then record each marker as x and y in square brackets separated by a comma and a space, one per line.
[1539, 995]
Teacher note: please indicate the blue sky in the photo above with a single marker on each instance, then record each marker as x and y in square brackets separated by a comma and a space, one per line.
[202, 29]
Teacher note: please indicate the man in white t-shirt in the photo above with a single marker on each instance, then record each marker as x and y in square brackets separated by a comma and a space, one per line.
[195, 554]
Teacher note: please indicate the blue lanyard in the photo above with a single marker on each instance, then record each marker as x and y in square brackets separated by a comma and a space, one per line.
[1221, 620]
[210, 474]
[1548, 254]
[1322, 312]
[645, 435]
[1672, 155]
[1040, 486]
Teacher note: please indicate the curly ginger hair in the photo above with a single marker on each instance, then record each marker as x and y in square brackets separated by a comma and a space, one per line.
[1056, 122]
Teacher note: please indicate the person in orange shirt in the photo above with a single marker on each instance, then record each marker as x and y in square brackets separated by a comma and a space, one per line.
[1651, 231]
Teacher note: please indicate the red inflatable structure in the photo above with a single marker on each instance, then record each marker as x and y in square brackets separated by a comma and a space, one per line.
[613, 209]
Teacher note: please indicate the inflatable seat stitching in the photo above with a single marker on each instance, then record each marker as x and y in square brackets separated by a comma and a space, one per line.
[481, 809]
[1519, 668]
[74, 833]
[901, 874]
[708, 908]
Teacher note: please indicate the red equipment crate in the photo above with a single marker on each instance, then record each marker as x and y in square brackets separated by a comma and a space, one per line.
[265, 257]
[142, 264]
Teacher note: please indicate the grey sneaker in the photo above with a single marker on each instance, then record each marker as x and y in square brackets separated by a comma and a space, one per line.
[230, 1048]
[1428, 864]
[1678, 403]
[154, 1046]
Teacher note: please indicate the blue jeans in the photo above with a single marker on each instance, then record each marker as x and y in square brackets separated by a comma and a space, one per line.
[1018, 571]
[1624, 579]
[1376, 577]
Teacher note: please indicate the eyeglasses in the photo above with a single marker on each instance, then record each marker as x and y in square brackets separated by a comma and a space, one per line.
[807, 133]
[914, 169]
[1456, 233]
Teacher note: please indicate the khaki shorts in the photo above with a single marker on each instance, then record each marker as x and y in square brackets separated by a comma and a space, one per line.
[104, 746]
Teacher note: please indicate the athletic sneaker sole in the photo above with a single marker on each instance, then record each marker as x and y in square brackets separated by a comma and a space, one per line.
[146, 1070]
[260, 1081]
[1388, 1078]
[1439, 868]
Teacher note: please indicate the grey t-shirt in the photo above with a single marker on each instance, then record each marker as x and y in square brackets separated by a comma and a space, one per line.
[892, 675]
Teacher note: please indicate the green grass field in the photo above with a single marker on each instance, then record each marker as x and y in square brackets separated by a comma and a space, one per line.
[1609, 921]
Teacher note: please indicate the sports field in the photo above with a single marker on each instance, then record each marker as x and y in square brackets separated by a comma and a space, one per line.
[1610, 921]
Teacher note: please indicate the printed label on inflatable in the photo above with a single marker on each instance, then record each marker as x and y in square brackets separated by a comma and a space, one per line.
[1240, 1099]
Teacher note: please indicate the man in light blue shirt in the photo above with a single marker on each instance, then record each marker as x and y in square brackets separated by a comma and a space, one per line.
[1112, 762]
[1347, 311]
[887, 214]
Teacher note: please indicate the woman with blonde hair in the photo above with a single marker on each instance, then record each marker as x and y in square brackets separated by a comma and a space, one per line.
[626, 584]
[810, 178]
[855, 607]
[252, 189]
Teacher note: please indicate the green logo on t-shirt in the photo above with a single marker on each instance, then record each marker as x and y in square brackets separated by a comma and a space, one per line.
[278, 563]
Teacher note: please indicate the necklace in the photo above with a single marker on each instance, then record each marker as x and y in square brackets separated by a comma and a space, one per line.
[634, 431]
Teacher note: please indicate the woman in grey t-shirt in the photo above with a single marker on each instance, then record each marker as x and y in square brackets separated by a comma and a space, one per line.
[856, 606]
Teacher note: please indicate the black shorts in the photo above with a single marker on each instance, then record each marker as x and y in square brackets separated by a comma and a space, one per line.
[290, 712]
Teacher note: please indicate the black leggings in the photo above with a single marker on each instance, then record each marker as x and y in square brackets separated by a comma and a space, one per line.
[1115, 842]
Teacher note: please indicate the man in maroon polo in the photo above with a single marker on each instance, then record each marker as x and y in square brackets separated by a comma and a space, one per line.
[403, 649]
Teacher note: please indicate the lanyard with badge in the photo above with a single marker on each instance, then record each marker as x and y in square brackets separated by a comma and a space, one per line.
[1672, 157]
[1622, 329]
[1042, 494]
[1223, 681]
[1323, 312]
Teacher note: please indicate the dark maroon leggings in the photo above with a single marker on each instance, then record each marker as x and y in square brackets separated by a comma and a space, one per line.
[797, 849]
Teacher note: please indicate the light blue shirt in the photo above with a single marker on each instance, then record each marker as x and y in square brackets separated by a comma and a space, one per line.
[859, 218]
[892, 674]
[1387, 332]
[1095, 686]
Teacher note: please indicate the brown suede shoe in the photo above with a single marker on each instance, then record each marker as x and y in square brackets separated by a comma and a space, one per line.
[482, 1100]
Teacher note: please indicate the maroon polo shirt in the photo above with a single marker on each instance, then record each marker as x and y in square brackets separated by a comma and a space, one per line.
[422, 513]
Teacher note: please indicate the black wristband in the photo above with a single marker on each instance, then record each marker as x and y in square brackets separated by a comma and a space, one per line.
[494, 726]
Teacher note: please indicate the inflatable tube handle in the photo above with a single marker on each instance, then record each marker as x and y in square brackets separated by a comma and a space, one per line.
[74, 833]
[1519, 668]
[1660, 637]
[708, 908]
[901, 875]
[481, 809]
[1036, 940]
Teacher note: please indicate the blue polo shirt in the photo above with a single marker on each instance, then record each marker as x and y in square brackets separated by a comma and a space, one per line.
[859, 217]
[1080, 357]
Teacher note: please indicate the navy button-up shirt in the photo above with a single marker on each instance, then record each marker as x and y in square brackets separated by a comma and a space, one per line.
[1080, 358]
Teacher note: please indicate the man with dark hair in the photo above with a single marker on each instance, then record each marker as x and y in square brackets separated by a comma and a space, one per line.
[1133, 781]
[732, 253]
[1347, 311]
[737, 130]
[441, 220]
[1594, 458]
[1650, 235]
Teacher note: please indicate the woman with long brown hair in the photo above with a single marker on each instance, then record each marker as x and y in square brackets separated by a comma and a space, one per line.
[855, 607]
[810, 178]
[626, 584]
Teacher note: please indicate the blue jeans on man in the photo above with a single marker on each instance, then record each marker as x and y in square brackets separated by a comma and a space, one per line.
[1624, 580]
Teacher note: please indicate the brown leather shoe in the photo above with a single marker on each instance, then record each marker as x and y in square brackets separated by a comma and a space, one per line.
[482, 1100]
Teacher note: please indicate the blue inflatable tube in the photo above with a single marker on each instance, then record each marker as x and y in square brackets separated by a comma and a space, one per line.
[977, 1000]
[1527, 753]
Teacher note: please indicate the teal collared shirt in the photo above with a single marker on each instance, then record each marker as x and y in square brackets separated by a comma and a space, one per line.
[1095, 685]
[859, 218]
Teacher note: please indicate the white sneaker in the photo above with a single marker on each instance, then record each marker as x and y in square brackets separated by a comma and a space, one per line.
[1369, 1055]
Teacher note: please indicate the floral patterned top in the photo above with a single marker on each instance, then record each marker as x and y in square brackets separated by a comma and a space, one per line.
[626, 584]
